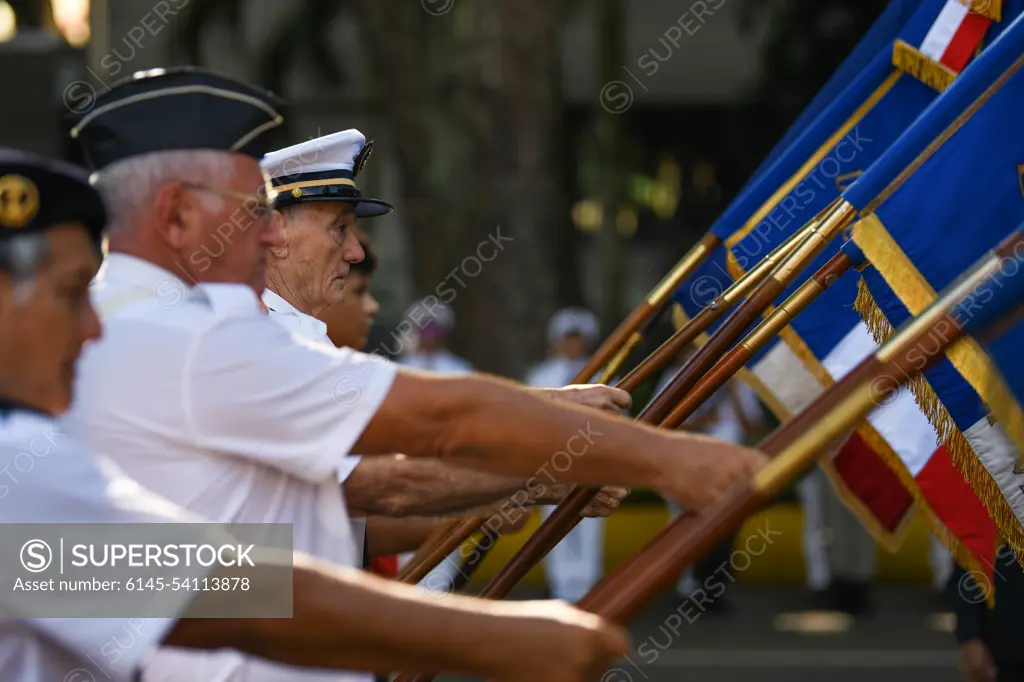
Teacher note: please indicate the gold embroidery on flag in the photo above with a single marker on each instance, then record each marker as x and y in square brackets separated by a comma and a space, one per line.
[888, 539]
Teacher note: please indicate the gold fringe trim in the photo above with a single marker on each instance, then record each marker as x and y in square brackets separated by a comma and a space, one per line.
[944, 137]
[960, 450]
[888, 539]
[912, 61]
[917, 294]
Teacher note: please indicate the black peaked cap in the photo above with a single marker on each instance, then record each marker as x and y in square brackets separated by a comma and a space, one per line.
[37, 193]
[177, 109]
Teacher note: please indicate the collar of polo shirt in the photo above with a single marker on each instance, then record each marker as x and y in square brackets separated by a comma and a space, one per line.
[144, 279]
[307, 325]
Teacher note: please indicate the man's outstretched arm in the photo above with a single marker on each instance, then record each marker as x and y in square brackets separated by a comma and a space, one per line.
[494, 425]
[348, 620]
[399, 486]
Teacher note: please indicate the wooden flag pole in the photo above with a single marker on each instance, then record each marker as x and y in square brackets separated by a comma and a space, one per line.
[799, 442]
[626, 335]
[441, 542]
[758, 301]
[566, 515]
[712, 312]
[610, 355]
[775, 322]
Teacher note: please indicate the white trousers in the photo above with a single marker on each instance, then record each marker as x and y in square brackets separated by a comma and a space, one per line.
[810, 491]
[576, 563]
[941, 562]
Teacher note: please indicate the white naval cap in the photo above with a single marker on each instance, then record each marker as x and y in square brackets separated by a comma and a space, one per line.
[573, 321]
[323, 169]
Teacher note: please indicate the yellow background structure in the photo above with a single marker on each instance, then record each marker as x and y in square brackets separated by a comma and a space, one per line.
[782, 563]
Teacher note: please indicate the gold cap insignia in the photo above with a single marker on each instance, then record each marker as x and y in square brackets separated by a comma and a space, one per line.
[19, 201]
[362, 158]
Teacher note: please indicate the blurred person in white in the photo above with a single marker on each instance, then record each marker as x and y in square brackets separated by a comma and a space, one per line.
[426, 344]
[51, 222]
[733, 413]
[576, 563]
[318, 206]
[202, 398]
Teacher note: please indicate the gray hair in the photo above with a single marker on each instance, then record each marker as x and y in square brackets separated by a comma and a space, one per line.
[130, 185]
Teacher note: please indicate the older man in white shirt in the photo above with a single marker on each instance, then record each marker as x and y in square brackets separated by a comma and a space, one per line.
[50, 226]
[318, 202]
[209, 403]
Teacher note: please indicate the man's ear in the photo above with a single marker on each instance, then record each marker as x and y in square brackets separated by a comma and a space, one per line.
[171, 205]
[281, 225]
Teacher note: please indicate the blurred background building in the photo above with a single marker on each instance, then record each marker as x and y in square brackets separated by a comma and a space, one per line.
[601, 137]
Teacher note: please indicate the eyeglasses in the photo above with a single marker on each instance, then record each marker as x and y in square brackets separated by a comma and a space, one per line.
[264, 201]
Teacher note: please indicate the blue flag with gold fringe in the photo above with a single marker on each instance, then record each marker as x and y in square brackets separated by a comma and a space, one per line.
[833, 151]
[961, 199]
[829, 338]
[842, 95]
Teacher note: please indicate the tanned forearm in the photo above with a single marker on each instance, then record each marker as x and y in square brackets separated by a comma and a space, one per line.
[493, 425]
[400, 486]
[350, 620]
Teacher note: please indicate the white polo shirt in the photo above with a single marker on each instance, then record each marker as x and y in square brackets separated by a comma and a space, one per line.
[49, 478]
[308, 327]
[201, 398]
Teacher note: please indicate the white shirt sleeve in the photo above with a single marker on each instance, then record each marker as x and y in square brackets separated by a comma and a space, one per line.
[69, 486]
[253, 390]
[348, 465]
